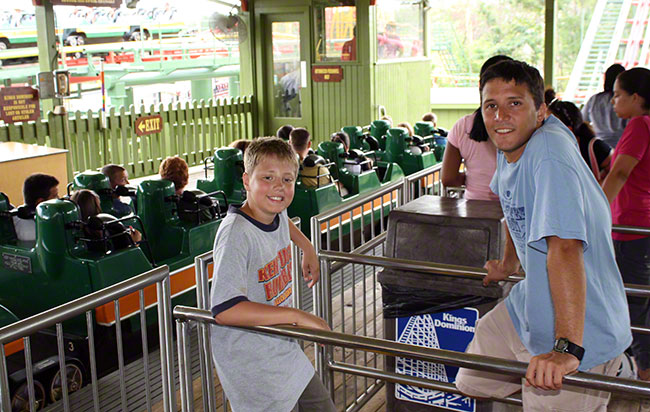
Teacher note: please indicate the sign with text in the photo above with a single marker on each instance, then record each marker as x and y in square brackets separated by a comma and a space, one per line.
[87, 3]
[444, 330]
[327, 73]
[148, 125]
[19, 104]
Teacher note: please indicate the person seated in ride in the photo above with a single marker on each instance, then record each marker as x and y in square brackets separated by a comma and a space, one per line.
[37, 188]
[117, 176]
[284, 132]
[417, 145]
[103, 225]
[358, 162]
[312, 172]
[430, 117]
[175, 170]
[241, 144]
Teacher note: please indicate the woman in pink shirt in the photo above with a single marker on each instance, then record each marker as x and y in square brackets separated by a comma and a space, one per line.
[627, 188]
[469, 141]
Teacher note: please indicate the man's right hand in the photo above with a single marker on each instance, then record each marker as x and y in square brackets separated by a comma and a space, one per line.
[498, 270]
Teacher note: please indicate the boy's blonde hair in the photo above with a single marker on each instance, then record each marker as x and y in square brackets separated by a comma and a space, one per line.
[263, 147]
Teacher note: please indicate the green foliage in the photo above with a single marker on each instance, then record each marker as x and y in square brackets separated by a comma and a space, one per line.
[515, 28]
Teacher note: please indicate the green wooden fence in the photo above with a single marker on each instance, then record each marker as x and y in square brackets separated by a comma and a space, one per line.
[191, 130]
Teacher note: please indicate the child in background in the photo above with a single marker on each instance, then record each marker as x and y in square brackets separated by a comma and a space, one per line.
[252, 287]
[312, 175]
[117, 176]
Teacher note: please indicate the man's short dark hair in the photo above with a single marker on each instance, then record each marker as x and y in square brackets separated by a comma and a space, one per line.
[521, 73]
[299, 138]
[284, 131]
[610, 76]
[38, 186]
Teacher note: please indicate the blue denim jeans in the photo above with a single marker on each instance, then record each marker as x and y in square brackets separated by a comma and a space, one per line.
[633, 259]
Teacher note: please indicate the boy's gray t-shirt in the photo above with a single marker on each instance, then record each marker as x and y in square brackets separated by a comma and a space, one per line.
[252, 261]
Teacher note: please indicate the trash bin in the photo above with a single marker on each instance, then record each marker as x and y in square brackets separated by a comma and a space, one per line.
[438, 311]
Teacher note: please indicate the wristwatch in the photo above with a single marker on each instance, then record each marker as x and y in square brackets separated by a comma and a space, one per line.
[564, 345]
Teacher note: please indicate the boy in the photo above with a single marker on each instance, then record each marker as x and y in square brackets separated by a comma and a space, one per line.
[118, 176]
[312, 176]
[252, 286]
[37, 188]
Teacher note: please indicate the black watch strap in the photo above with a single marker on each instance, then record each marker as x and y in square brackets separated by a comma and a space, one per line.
[564, 345]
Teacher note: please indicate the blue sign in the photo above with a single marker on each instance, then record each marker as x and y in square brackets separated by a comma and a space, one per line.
[445, 330]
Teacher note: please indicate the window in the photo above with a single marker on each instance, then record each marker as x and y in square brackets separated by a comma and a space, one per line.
[400, 29]
[336, 30]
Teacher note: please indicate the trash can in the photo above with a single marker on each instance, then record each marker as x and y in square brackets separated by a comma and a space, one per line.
[435, 310]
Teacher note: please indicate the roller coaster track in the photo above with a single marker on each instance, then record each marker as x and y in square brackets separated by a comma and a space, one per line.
[618, 33]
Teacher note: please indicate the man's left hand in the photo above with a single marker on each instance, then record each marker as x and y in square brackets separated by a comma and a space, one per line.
[547, 370]
[310, 267]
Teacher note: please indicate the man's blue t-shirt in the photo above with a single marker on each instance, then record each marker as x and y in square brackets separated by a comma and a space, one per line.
[550, 191]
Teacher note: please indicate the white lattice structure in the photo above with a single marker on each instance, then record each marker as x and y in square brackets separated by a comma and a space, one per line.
[420, 331]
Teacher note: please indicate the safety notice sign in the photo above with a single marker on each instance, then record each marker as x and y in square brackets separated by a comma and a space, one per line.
[19, 104]
[452, 330]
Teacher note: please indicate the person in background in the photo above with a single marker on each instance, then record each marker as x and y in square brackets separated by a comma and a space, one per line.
[549, 97]
[241, 144]
[430, 117]
[599, 110]
[477, 152]
[349, 50]
[175, 170]
[596, 153]
[284, 132]
[407, 126]
[37, 188]
[627, 187]
[89, 206]
[117, 176]
[312, 176]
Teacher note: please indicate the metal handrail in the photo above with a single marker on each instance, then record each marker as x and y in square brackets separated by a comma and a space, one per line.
[631, 230]
[414, 177]
[81, 305]
[442, 269]
[353, 204]
[85, 304]
[391, 348]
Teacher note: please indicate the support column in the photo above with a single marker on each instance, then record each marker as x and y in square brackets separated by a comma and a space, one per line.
[201, 89]
[549, 42]
[47, 54]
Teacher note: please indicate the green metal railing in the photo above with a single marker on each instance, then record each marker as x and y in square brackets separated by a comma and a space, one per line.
[191, 130]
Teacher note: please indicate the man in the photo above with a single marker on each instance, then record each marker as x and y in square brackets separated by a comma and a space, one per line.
[570, 311]
[37, 188]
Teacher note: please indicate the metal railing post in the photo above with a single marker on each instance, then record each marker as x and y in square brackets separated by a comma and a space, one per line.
[5, 395]
[201, 263]
[184, 363]
[164, 329]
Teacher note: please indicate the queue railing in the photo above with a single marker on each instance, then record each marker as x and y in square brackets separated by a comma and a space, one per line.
[24, 329]
[184, 315]
[425, 182]
[203, 265]
[358, 226]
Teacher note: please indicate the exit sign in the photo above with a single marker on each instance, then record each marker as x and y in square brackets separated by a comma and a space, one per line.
[148, 125]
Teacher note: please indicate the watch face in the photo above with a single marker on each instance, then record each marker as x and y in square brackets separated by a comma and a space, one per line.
[561, 345]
